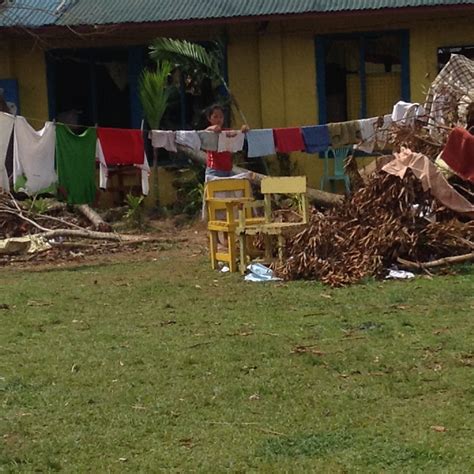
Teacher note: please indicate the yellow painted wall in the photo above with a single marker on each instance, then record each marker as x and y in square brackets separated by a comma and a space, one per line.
[271, 67]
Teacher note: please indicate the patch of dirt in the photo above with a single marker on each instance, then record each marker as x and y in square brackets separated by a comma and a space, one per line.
[170, 236]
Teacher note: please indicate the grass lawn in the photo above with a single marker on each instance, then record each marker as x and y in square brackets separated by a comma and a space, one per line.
[167, 366]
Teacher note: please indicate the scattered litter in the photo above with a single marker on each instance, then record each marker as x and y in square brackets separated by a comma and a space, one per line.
[399, 274]
[225, 269]
[259, 272]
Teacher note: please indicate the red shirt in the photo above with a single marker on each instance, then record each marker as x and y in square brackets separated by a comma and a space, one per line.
[221, 161]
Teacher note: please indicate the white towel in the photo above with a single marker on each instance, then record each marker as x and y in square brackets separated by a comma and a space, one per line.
[405, 113]
[163, 139]
[6, 127]
[232, 141]
[188, 138]
[367, 133]
[33, 156]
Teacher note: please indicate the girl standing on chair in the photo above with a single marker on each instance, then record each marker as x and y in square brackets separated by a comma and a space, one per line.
[219, 164]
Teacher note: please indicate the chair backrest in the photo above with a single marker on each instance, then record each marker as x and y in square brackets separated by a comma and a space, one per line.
[225, 188]
[339, 155]
[285, 185]
[235, 187]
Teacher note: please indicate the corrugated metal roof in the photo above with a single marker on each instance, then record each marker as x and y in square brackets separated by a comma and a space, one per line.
[138, 11]
[30, 13]
[95, 12]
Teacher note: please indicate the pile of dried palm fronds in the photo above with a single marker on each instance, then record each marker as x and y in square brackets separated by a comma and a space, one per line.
[386, 220]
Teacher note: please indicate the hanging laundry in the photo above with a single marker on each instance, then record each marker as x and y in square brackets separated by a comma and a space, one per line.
[6, 128]
[33, 158]
[405, 113]
[288, 139]
[75, 163]
[459, 153]
[367, 134]
[231, 141]
[260, 142]
[117, 146]
[316, 138]
[188, 138]
[382, 135]
[344, 133]
[163, 139]
[209, 140]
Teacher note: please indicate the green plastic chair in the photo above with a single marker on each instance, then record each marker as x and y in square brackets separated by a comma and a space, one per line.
[338, 155]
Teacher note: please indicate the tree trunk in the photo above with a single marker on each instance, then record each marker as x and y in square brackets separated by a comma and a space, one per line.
[320, 198]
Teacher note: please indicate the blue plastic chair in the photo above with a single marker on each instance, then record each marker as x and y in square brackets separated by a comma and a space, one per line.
[338, 155]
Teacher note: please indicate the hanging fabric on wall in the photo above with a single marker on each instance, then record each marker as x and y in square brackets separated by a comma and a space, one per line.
[163, 139]
[288, 139]
[6, 128]
[344, 133]
[188, 138]
[117, 146]
[209, 140]
[33, 158]
[368, 134]
[231, 141]
[459, 153]
[316, 138]
[260, 142]
[75, 163]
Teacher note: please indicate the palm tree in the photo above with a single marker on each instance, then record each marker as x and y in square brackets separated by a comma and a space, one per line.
[193, 58]
[154, 95]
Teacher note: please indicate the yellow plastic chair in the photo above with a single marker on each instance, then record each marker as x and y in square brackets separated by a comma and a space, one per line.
[224, 197]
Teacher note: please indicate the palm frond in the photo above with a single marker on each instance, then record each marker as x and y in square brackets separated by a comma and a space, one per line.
[154, 93]
[187, 55]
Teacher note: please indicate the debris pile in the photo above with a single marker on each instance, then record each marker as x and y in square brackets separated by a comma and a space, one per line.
[389, 221]
[47, 230]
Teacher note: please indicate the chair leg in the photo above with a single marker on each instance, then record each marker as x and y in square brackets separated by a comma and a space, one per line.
[232, 251]
[243, 252]
[268, 247]
[213, 248]
[281, 247]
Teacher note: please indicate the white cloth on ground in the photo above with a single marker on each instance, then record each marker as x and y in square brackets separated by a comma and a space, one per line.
[33, 156]
[188, 138]
[232, 141]
[6, 127]
[163, 139]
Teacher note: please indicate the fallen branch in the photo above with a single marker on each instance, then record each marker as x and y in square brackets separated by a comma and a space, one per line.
[88, 234]
[437, 263]
[97, 221]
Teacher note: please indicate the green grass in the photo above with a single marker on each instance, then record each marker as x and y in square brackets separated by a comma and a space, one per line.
[168, 366]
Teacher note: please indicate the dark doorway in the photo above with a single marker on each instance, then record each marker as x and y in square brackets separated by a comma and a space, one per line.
[89, 87]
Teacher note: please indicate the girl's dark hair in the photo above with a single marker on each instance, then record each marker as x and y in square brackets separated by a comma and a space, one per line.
[210, 110]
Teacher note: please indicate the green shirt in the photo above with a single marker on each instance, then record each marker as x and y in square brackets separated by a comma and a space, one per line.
[75, 162]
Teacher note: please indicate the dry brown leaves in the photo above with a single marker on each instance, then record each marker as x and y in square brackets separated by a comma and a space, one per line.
[370, 230]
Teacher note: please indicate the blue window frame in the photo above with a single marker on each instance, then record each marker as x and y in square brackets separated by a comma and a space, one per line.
[353, 68]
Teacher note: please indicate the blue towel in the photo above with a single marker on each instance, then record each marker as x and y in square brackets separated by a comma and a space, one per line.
[260, 142]
[316, 138]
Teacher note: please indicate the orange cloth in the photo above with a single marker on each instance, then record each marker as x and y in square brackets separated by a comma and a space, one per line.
[459, 153]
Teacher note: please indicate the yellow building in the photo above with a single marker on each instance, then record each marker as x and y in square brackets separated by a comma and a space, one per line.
[288, 63]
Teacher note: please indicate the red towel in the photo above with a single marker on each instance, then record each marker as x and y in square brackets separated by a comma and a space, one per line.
[288, 139]
[459, 153]
[121, 146]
